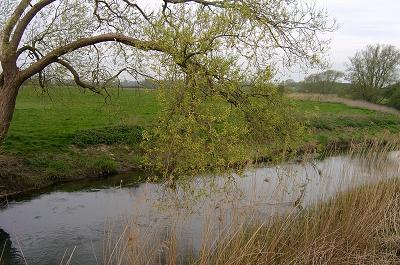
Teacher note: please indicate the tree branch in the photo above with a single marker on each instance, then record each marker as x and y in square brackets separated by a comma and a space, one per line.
[77, 78]
[84, 42]
[32, 49]
[221, 3]
[134, 5]
[24, 22]
[10, 24]
[37, 55]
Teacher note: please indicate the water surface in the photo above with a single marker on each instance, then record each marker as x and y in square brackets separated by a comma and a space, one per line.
[79, 217]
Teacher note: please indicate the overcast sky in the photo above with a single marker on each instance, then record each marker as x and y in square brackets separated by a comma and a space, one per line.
[362, 22]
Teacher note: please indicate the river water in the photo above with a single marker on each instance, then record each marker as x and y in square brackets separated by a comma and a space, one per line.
[86, 218]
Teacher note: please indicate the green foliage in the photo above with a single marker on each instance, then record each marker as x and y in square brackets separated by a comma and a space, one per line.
[341, 89]
[367, 93]
[393, 96]
[104, 165]
[373, 69]
[327, 82]
[223, 126]
[122, 134]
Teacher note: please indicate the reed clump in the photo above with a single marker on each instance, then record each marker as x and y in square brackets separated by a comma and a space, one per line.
[361, 226]
[358, 226]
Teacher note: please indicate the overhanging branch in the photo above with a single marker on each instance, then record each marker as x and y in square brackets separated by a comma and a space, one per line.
[54, 56]
[76, 76]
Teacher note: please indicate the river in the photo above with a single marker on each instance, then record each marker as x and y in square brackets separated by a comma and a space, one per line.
[87, 217]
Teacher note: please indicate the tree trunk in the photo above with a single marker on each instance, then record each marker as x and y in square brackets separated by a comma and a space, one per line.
[8, 96]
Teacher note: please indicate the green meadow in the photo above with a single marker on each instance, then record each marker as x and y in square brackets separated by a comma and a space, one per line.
[68, 133]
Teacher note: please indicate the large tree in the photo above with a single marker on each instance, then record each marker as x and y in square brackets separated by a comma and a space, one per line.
[373, 69]
[40, 37]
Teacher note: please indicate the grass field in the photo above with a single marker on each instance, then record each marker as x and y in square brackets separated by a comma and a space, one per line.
[337, 123]
[49, 121]
[67, 132]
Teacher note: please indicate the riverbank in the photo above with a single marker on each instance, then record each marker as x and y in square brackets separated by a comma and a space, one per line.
[356, 227]
[354, 219]
[67, 134]
[124, 222]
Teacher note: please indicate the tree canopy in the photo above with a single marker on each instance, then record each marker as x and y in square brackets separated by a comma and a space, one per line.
[373, 69]
[203, 52]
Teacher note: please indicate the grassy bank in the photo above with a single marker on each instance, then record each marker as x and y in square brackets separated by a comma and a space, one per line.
[356, 227]
[67, 133]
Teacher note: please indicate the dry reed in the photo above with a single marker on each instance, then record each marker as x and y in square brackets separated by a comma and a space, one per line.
[359, 226]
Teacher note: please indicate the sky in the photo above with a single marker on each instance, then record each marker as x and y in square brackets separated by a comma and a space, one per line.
[361, 22]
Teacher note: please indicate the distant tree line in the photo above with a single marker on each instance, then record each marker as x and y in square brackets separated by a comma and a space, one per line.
[326, 82]
[372, 74]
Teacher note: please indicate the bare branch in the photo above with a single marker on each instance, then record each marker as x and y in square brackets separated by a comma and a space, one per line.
[84, 42]
[76, 76]
[37, 55]
[24, 22]
[31, 49]
[134, 5]
[222, 3]
[12, 21]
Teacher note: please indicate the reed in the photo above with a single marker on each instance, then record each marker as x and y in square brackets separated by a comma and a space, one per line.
[358, 226]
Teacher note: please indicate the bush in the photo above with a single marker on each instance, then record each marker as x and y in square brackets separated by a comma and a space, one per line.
[122, 134]
[393, 96]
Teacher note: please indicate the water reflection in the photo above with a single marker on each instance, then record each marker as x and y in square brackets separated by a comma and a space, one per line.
[8, 254]
[92, 216]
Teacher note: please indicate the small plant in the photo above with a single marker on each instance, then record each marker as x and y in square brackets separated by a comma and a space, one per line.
[105, 166]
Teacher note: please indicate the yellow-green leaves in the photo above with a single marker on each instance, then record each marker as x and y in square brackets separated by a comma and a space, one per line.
[210, 124]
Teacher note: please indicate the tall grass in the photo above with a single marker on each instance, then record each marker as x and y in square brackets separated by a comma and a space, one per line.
[357, 226]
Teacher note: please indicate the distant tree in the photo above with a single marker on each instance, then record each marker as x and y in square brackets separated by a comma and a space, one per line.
[289, 82]
[392, 95]
[372, 70]
[329, 76]
[324, 82]
[287, 85]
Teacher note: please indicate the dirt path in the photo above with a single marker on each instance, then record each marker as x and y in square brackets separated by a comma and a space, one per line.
[349, 102]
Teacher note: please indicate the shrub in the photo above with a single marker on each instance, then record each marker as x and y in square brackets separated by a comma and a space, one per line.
[394, 97]
[122, 134]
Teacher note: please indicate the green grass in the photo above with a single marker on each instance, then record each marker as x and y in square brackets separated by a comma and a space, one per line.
[337, 122]
[67, 133]
[51, 121]
[66, 116]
